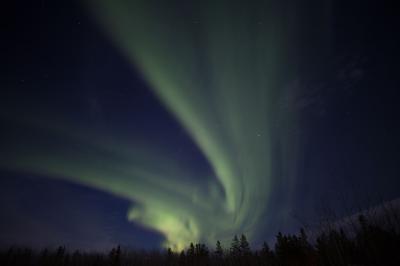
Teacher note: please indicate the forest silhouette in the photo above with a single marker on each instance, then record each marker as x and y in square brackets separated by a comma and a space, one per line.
[363, 241]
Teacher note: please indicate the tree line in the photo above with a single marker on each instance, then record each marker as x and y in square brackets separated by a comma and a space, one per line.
[368, 244]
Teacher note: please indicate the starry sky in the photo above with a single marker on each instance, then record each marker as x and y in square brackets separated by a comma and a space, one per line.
[159, 123]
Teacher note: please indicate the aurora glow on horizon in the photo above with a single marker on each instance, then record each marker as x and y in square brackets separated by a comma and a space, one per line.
[223, 71]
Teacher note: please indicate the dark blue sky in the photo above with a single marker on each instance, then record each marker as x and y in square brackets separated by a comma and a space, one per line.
[57, 61]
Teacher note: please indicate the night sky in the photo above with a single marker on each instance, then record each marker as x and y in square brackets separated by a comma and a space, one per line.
[158, 123]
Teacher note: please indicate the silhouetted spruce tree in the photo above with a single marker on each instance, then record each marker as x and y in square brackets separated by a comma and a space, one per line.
[182, 258]
[115, 256]
[245, 252]
[60, 251]
[190, 251]
[244, 246]
[44, 257]
[235, 247]
[190, 254]
[59, 258]
[76, 258]
[219, 252]
[307, 251]
[267, 255]
[170, 260]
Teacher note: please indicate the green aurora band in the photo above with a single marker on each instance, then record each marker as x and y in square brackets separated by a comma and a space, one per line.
[222, 69]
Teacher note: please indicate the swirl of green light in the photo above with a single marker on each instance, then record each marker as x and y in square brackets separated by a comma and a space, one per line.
[217, 67]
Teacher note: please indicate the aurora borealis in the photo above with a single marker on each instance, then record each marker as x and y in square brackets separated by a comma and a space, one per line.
[229, 75]
[221, 99]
